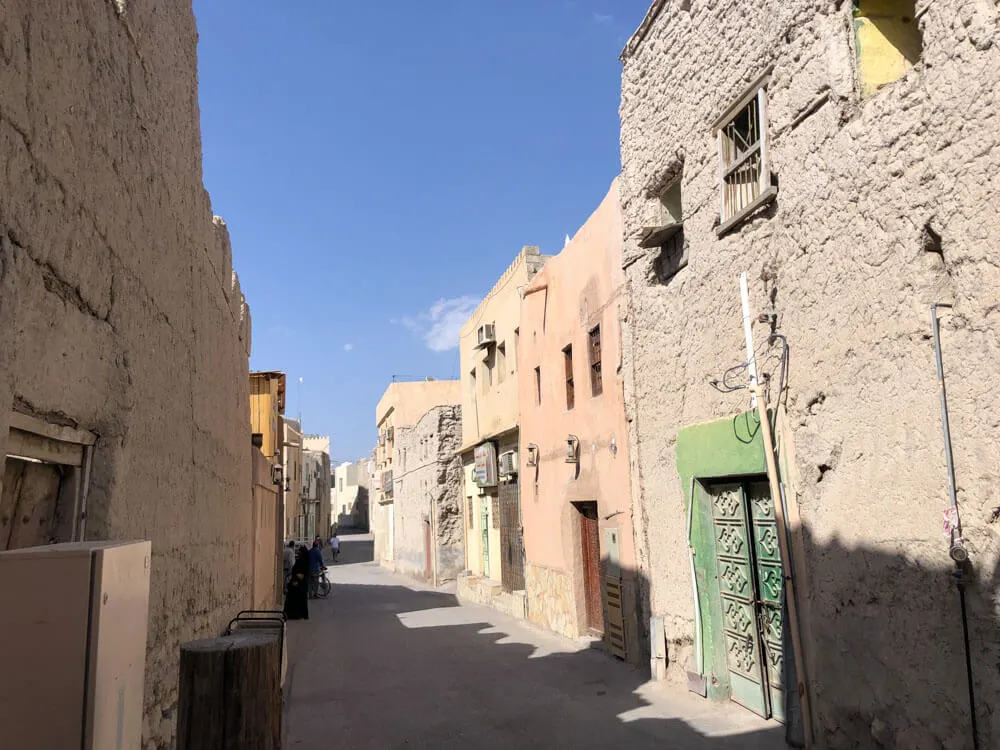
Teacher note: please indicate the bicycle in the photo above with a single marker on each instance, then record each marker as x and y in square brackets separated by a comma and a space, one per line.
[319, 584]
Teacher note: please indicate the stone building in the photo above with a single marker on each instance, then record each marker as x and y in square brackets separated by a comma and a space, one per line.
[291, 461]
[488, 352]
[429, 540]
[580, 571]
[349, 495]
[124, 336]
[316, 483]
[845, 156]
[402, 405]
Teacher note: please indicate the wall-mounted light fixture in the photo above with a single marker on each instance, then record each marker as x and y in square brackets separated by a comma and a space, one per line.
[532, 454]
[572, 449]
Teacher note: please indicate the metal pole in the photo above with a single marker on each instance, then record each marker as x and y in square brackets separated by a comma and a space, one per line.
[957, 552]
[945, 427]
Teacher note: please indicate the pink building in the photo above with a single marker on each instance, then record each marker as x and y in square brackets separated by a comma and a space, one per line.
[580, 570]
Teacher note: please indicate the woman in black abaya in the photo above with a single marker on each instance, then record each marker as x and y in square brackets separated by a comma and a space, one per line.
[297, 599]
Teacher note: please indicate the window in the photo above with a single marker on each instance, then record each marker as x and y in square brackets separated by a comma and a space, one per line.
[517, 341]
[744, 171]
[341, 484]
[471, 516]
[489, 365]
[887, 39]
[596, 382]
[501, 361]
[538, 385]
[568, 359]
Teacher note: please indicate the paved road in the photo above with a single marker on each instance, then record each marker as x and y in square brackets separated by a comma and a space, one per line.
[388, 663]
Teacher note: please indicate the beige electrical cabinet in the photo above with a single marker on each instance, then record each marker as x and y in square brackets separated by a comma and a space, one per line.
[73, 623]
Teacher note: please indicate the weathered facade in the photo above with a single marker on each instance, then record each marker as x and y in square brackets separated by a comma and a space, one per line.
[316, 485]
[488, 351]
[291, 462]
[427, 497]
[580, 569]
[267, 406]
[402, 405]
[349, 495]
[845, 160]
[121, 320]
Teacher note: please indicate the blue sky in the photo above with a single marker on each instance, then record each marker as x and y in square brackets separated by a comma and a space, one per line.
[380, 164]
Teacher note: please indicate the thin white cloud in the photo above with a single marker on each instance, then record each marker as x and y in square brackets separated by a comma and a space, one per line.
[440, 325]
[603, 18]
[348, 347]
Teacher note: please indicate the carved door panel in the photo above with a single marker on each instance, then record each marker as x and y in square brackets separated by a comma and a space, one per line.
[770, 580]
[739, 600]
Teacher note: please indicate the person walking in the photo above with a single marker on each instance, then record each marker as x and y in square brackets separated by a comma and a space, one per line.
[334, 546]
[289, 561]
[315, 566]
[297, 598]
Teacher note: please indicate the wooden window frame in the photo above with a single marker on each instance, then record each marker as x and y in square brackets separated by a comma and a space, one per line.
[570, 388]
[594, 352]
[734, 209]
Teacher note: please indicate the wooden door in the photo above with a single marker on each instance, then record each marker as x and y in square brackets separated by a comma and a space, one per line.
[29, 506]
[750, 586]
[591, 561]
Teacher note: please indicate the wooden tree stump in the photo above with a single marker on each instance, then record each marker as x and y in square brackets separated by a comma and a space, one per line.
[230, 693]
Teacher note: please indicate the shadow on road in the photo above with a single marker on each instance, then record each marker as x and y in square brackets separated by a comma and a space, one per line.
[382, 665]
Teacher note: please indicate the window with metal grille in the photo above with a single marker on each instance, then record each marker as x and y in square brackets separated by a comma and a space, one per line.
[596, 382]
[469, 513]
[568, 359]
[744, 170]
[496, 512]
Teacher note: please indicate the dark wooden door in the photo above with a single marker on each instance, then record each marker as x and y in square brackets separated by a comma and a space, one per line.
[591, 553]
[511, 540]
[29, 506]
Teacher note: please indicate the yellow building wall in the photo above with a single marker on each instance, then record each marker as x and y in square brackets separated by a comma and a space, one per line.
[888, 41]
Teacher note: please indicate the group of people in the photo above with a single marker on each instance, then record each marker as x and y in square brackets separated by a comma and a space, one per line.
[303, 567]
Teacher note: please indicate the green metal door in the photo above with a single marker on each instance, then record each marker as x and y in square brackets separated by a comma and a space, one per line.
[750, 583]
[770, 577]
[484, 502]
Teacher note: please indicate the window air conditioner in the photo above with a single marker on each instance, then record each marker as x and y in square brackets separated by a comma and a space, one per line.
[486, 335]
[508, 463]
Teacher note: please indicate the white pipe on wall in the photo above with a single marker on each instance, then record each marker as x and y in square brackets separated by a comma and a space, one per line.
[748, 335]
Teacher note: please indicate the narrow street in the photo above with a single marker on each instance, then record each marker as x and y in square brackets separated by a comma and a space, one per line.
[387, 663]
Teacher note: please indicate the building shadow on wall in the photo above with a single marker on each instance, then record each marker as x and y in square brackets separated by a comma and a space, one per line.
[356, 546]
[380, 666]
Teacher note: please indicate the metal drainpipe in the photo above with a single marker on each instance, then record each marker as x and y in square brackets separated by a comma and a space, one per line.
[957, 552]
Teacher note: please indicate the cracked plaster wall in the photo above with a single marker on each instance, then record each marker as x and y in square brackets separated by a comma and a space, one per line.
[429, 480]
[860, 179]
[119, 309]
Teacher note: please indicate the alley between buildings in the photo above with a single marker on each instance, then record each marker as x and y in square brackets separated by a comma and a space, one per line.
[385, 662]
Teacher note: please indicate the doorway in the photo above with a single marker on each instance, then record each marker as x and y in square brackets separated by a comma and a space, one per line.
[590, 559]
[750, 583]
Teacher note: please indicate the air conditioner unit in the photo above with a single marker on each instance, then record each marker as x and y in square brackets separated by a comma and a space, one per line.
[508, 463]
[486, 335]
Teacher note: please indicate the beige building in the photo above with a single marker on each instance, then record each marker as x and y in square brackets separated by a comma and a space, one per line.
[402, 405]
[845, 157]
[124, 336]
[296, 519]
[349, 497]
[316, 485]
[488, 350]
[576, 508]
